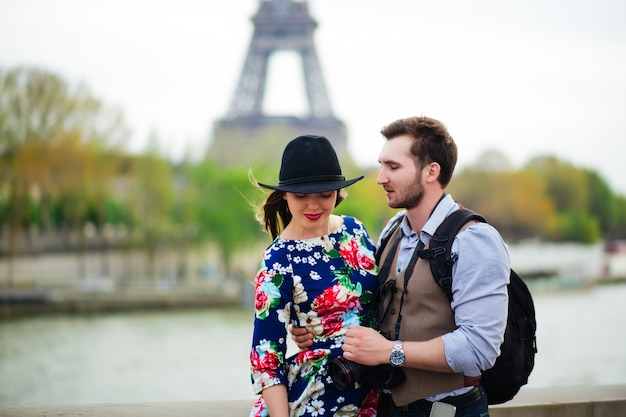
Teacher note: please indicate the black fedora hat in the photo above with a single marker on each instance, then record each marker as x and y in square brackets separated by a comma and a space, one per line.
[309, 166]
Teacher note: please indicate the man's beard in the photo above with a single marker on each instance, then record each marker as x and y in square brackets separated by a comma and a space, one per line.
[413, 196]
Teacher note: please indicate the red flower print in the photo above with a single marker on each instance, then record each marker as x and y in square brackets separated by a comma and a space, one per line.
[332, 323]
[366, 262]
[270, 363]
[350, 251]
[331, 307]
[262, 276]
[255, 360]
[310, 355]
[370, 404]
[260, 300]
[267, 363]
[334, 299]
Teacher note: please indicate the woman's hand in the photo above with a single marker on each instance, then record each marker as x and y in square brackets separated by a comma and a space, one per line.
[301, 336]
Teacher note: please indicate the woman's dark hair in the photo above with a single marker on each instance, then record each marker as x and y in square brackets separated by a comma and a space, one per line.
[274, 214]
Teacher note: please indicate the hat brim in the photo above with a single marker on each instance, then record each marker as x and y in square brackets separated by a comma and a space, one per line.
[312, 187]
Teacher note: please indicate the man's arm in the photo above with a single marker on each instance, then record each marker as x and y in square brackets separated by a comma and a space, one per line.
[366, 346]
[480, 306]
[479, 286]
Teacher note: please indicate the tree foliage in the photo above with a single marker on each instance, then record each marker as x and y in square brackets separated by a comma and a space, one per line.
[61, 170]
[51, 142]
[515, 202]
[225, 208]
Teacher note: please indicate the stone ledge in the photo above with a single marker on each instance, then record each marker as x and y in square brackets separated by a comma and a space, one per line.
[178, 409]
[575, 401]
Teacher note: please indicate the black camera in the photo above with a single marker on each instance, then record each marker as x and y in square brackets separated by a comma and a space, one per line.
[345, 373]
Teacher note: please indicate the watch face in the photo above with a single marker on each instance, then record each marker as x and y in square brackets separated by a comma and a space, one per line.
[396, 358]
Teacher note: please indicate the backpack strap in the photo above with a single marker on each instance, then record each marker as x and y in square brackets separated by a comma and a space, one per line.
[385, 239]
[439, 248]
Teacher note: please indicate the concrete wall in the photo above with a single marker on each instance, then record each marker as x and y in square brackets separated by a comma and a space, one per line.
[579, 401]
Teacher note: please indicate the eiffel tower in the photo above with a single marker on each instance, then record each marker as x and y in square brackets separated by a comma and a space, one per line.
[246, 135]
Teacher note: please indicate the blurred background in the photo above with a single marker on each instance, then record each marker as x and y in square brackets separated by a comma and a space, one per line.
[130, 131]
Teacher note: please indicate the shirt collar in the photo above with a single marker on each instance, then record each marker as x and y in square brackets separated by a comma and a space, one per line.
[446, 206]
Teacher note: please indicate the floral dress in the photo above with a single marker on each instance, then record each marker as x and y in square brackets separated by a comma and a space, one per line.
[325, 284]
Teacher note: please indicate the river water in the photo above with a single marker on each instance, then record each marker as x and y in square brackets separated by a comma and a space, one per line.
[203, 355]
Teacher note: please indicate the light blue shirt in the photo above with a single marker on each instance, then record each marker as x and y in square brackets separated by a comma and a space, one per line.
[479, 289]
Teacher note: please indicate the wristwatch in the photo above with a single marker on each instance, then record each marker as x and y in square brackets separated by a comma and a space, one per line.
[396, 357]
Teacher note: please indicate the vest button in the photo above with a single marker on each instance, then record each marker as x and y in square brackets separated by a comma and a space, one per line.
[393, 311]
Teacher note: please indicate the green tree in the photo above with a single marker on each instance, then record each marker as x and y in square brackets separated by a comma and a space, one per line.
[515, 202]
[226, 213]
[37, 107]
[566, 184]
[574, 226]
[619, 232]
[602, 202]
[152, 203]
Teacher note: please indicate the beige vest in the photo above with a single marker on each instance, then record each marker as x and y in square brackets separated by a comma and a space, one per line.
[426, 314]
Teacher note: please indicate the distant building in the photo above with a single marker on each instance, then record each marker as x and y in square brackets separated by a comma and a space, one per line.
[246, 135]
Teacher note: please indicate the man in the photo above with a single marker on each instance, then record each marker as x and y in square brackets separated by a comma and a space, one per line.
[442, 346]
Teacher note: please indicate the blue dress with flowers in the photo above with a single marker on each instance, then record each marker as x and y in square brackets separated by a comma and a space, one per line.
[326, 284]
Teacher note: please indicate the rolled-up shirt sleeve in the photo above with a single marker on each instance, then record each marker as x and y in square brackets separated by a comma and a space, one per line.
[480, 299]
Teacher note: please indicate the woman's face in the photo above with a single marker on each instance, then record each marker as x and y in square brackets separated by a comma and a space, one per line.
[310, 212]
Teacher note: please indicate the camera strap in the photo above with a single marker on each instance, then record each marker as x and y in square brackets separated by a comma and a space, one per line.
[407, 275]
[384, 270]
[386, 287]
[375, 314]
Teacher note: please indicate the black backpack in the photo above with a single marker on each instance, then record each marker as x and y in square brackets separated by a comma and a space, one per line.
[517, 353]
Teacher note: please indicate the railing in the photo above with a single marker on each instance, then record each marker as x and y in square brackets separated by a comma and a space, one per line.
[577, 401]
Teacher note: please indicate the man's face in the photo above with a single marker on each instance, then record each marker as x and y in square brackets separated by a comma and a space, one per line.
[398, 175]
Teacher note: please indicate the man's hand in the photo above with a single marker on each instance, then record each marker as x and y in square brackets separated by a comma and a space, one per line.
[366, 346]
[301, 336]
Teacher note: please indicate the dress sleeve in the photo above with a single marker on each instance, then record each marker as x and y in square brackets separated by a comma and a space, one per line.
[272, 297]
[367, 244]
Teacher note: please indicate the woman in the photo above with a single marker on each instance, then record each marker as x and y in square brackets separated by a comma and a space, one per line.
[318, 273]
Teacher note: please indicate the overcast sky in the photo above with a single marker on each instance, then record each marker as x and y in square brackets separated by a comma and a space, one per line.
[527, 77]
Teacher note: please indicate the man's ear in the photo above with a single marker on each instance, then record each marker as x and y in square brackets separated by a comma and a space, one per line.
[434, 169]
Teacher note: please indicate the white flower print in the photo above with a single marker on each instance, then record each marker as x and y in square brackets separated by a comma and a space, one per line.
[336, 342]
[284, 315]
[304, 271]
[312, 322]
[316, 388]
[349, 410]
[299, 295]
[316, 408]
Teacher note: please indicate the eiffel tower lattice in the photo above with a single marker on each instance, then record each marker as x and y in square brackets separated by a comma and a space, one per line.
[280, 25]
[247, 134]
